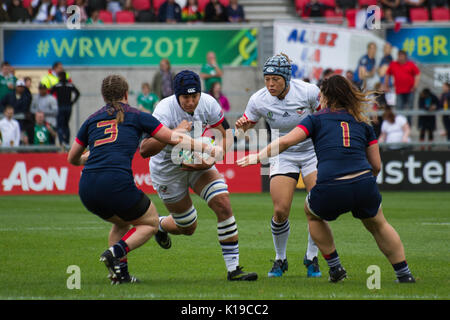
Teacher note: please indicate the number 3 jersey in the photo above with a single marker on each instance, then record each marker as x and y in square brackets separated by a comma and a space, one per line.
[284, 115]
[112, 145]
[340, 142]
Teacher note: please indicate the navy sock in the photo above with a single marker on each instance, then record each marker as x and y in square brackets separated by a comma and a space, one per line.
[120, 249]
[401, 269]
[332, 259]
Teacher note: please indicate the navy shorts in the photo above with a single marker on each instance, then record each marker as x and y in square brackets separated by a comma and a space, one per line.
[359, 195]
[109, 193]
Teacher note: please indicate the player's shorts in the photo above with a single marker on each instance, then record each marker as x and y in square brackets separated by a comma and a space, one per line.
[174, 187]
[288, 163]
[111, 192]
[359, 195]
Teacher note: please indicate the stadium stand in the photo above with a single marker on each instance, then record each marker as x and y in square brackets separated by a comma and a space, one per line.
[141, 5]
[418, 14]
[106, 16]
[440, 14]
[125, 17]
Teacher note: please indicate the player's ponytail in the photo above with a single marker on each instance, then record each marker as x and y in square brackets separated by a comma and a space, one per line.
[114, 89]
[338, 92]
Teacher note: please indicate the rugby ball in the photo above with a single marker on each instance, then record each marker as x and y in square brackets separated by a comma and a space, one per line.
[188, 156]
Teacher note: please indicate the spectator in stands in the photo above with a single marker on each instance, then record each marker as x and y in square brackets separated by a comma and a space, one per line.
[445, 105]
[147, 100]
[366, 66]
[349, 75]
[67, 95]
[59, 11]
[439, 3]
[114, 6]
[211, 71]
[82, 5]
[41, 10]
[216, 92]
[7, 79]
[328, 72]
[9, 128]
[93, 5]
[20, 99]
[406, 80]
[398, 8]
[169, 12]
[94, 18]
[51, 78]
[316, 9]
[235, 12]
[415, 3]
[163, 80]
[215, 12]
[427, 124]
[44, 133]
[394, 129]
[191, 12]
[344, 5]
[4, 17]
[46, 103]
[17, 13]
[385, 62]
[28, 83]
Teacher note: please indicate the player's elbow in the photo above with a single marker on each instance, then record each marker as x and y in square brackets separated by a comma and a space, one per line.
[376, 168]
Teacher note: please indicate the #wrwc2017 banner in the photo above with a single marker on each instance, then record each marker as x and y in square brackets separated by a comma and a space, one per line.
[93, 47]
[314, 48]
[424, 45]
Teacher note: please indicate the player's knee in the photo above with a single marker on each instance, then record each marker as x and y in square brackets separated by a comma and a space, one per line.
[281, 213]
[213, 189]
[186, 221]
[189, 231]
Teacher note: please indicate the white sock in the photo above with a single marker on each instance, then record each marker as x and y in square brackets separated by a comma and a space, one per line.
[160, 228]
[230, 252]
[280, 234]
[312, 249]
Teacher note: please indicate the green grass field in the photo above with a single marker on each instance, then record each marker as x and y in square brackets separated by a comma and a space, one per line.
[40, 236]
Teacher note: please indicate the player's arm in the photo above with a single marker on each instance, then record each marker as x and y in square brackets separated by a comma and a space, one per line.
[76, 155]
[373, 156]
[151, 146]
[276, 147]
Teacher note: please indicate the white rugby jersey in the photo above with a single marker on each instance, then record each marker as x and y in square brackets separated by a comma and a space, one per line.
[284, 115]
[207, 114]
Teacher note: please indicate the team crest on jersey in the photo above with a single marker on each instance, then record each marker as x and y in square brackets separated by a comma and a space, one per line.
[301, 111]
[163, 189]
[270, 115]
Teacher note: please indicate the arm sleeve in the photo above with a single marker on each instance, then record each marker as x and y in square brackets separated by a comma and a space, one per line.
[314, 97]
[216, 116]
[82, 135]
[149, 123]
[371, 136]
[251, 113]
[307, 125]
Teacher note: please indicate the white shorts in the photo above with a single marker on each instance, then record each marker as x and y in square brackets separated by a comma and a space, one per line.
[172, 188]
[291, 163]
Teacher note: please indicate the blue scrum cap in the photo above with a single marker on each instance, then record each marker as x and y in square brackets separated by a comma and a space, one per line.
[278, 65]
[186, 82]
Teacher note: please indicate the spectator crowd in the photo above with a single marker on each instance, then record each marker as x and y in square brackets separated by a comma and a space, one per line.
[122, 11]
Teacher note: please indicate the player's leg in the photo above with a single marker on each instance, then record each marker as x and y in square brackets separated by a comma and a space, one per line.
[282, 188]
[212, 188]
[311, 262]
[182, 218]
[390, 244]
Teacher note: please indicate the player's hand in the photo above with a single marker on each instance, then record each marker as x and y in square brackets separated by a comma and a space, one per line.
[84, 157]
[184, 126]
[200, 163]
[243, 123]
[248, 160]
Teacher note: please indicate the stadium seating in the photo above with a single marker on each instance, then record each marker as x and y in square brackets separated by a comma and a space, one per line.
[140, 5]
[418, 14]
[157, 4]
[440, 14]
[350, 14]
[367, 3]
[331, 3]
[26, 3]
[105, 16]
[332, 17]
[202, 3]
[124, 17]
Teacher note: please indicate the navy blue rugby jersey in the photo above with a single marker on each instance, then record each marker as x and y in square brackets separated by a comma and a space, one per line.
[112, 145]
[340, 143]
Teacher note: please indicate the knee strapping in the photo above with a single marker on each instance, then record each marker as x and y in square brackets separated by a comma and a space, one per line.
[227, 228]
[186, 218]
[213, 189]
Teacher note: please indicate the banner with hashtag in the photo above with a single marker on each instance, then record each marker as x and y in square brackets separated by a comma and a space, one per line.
[423, 44]
[111, 47]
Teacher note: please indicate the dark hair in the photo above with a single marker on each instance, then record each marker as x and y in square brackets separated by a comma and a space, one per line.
[55, 64]
[389, 114]
[62, 76]
[339, 92]
[402, 52]
[114, 89]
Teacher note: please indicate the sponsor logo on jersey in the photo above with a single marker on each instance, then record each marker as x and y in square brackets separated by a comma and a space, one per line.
[301, 110]
[286, 114]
